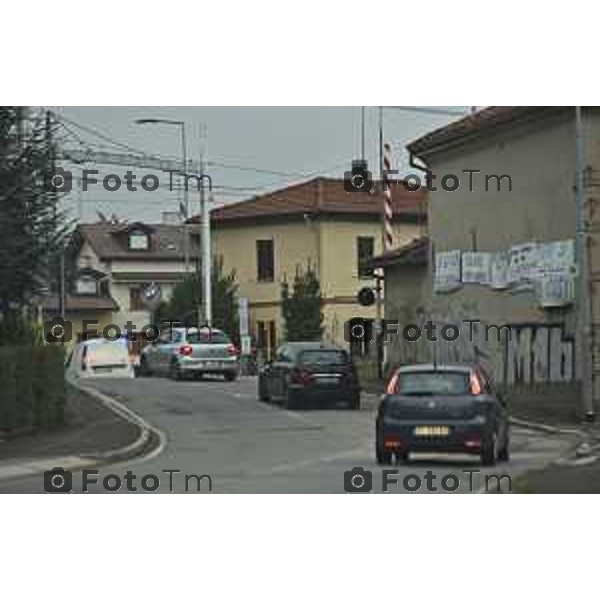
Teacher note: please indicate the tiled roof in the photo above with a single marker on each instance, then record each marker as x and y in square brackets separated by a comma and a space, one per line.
[477, 124]
[415, 253]
[320, 196]
[109, 241]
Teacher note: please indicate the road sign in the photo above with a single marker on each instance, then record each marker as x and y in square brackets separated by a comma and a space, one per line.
[246, 345]
[152, 295]
[366, 296]
[243, 316]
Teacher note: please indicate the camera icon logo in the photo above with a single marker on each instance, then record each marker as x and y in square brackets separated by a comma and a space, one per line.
[58, 180]
[358, 480]
[58, 481]
[358, 330]
[359, 179]
[58, 330]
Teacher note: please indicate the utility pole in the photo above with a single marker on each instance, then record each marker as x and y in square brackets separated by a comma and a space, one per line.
[205, 276]
[583, 296]
[186, 204]
[53, 198]
[362, 133]
[206, 253]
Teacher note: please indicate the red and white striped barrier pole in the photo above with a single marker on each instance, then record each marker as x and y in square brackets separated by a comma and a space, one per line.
[388, 212]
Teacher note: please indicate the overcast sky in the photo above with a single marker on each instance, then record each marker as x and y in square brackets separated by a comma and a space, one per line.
[295, 142]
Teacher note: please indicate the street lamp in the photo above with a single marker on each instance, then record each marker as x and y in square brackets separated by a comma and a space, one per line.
[181, 124]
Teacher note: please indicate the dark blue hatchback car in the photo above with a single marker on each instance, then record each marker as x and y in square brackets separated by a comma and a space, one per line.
[442, 408]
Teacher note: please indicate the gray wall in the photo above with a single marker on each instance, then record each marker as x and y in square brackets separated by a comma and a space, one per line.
[539, 157]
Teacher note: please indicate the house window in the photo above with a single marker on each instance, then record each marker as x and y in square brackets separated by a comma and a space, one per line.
[87, 285]
[265, 260]
[135, 299]
[138, 240]
[365, 247]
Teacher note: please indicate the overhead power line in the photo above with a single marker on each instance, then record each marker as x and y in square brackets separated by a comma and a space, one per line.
[429, 110]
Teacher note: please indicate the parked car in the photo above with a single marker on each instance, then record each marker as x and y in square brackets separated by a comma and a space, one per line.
[100, 358]
[449, 408]
[309, 374]
[183, 352]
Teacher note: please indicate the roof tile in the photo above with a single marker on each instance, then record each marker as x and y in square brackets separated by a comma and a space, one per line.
[320, 196]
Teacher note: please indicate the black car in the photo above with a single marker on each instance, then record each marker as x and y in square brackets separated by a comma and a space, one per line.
[450, 408]
[310, 374]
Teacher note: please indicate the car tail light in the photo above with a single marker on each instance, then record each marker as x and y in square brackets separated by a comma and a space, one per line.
[391, 440]
[231, 350]
[475, 384]
[300, 376]
[185, 350]
[393, 387]
[472, 442]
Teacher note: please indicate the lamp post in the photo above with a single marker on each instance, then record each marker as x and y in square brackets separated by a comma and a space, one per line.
[181, 125]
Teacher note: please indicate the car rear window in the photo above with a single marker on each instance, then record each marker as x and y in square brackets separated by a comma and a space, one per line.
[433, 383]
[109, 353]
[323, 357]
[207, 337]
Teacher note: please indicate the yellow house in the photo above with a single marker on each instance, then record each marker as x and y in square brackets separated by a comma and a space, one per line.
[317, 223]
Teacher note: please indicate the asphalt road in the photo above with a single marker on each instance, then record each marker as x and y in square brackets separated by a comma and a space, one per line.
[219, 429]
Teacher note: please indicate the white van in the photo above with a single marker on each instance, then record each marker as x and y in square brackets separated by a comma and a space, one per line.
[101, 358]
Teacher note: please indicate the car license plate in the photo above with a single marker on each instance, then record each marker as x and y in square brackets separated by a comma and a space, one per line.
[432, 431]
[210, 364]
[327, 380]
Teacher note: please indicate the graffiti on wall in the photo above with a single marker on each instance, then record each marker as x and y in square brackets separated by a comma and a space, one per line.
[522, 354]
[538, 354]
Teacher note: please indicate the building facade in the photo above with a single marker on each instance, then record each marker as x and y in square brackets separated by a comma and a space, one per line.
[315, 224]
[502, 247]
[113, 263]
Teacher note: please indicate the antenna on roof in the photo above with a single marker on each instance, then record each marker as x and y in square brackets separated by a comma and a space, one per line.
[101, 216]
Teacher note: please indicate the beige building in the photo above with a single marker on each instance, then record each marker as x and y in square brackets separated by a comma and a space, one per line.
[521, 199]
[114, 262]
[317, 223]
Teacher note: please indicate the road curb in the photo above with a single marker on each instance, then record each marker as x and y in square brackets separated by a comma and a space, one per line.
[125, 413]
[32, 467]
[534, 426]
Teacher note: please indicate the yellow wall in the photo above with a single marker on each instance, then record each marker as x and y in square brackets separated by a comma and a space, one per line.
[294, 243]
[329, 245]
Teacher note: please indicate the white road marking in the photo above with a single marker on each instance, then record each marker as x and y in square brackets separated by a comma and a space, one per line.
[36, 467]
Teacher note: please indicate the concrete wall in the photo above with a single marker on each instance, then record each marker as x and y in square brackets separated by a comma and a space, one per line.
[541, 207]
[539, 157]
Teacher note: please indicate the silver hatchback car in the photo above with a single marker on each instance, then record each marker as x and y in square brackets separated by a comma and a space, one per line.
[189, 352]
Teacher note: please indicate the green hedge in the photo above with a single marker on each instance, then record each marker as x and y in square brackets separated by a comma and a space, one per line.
[32, 387]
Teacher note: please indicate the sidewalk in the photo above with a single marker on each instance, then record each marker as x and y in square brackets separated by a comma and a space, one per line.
[573, 478]
[91, 429]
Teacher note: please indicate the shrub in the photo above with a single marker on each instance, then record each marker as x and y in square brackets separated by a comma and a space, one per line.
[32, 387]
